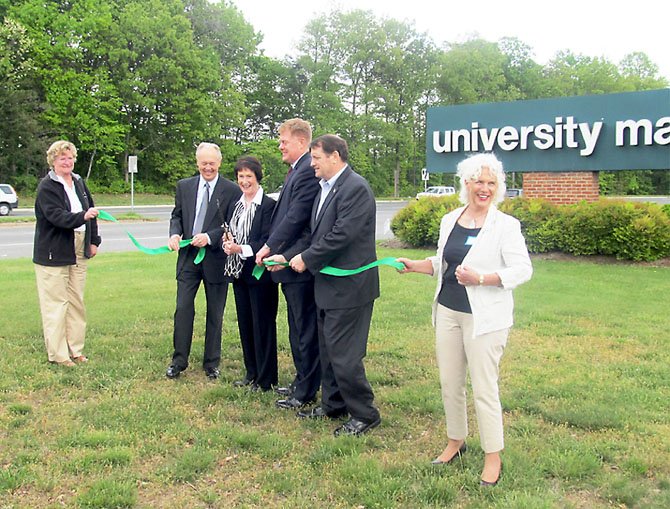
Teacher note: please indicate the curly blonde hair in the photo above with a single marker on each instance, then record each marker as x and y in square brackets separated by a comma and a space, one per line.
[57, 148]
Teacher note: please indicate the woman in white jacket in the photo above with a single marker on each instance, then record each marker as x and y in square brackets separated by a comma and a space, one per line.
[481, 257]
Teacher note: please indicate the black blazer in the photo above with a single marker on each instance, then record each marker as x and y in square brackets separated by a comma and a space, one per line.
[343, 236]
[291, 217]
[221, 204]
[258, 235]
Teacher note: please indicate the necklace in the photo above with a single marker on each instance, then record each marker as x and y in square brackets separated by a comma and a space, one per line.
[472, 220]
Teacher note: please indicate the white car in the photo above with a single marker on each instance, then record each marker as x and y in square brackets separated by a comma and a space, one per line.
[435, 191]
[8, 199]
[275, 195]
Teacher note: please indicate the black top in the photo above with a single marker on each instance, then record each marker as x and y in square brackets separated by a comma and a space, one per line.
[54, 228]
[452, 294]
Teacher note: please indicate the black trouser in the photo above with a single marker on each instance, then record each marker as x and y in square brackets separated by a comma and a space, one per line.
[343, 339]
[256, 306]
[188, 283]
[303, 338]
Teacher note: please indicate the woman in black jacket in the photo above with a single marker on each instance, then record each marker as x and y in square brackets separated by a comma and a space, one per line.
[255, 300]
[66, 236]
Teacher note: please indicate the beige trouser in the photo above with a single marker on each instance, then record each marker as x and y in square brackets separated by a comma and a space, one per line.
[61, 294]
[457, 351]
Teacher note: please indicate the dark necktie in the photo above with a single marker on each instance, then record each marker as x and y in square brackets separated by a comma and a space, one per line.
[290, 169]
[200, 218]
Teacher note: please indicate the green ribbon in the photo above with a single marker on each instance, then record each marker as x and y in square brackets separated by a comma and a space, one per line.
[333, 271]
[152, 251]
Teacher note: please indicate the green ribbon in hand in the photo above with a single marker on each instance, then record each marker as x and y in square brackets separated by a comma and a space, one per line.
[333, 271]
[153, 251]
[390, 261]
[259, 269]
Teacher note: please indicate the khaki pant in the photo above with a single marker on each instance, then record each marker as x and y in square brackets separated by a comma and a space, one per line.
[61, 295]
[457, 351]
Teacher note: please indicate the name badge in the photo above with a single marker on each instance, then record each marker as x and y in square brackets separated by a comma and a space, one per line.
[470, 240]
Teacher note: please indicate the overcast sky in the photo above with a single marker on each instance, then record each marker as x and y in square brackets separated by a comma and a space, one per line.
[593, 28]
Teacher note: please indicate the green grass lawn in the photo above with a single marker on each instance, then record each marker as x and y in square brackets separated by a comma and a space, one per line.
[585, 388]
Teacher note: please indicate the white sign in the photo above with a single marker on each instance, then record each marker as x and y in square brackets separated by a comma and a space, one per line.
[424, 174]
[132, 164]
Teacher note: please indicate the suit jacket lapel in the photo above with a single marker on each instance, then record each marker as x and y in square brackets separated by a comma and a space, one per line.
[315, 206]
[215, 201]
[283, 191]
[297, 166]
[190, 203]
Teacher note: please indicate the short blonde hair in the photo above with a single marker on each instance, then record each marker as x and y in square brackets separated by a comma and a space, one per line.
[57, 148]
[471, 169]
[297, 127]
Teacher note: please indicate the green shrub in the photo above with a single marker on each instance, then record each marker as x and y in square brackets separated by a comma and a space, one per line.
[626, 230]
[586, 228]
[538, 221]
[418, 223]
[645, 238]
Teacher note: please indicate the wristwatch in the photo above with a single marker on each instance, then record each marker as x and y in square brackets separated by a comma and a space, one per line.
[481, 279]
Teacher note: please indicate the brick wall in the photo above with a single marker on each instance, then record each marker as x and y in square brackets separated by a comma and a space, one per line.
[562, 187]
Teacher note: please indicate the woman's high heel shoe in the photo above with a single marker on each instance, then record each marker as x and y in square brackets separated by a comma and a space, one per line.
[459, 453]
[491, 484]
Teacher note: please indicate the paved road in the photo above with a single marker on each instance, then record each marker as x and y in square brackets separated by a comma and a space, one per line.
[661, 200]
[16, 240]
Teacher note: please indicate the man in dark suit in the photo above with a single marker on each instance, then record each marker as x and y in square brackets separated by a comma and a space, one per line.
[290, 224]
[343, 236]
[201, 205]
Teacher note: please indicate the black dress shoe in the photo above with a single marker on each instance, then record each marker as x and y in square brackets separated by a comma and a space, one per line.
[243, 383]
[318, 412]
[254, 387]
[491, 484]
[291, 403]
[355, 427]
[459, 453]
[173, 371]
[212, 373]
[284, 391]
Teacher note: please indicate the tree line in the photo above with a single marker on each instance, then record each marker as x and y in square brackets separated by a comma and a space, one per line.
[153, 78]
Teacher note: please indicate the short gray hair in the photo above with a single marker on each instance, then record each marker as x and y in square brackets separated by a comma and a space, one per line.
[471, 169]
[211, 146]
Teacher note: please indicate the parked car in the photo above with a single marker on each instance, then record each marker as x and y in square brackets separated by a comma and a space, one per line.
[513, 193]
[8, 199]
[435, 191]
[275, 194]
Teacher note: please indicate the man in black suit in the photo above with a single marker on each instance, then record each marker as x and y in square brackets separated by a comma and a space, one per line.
[201, 205]
[290, 224]
[343, 236]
